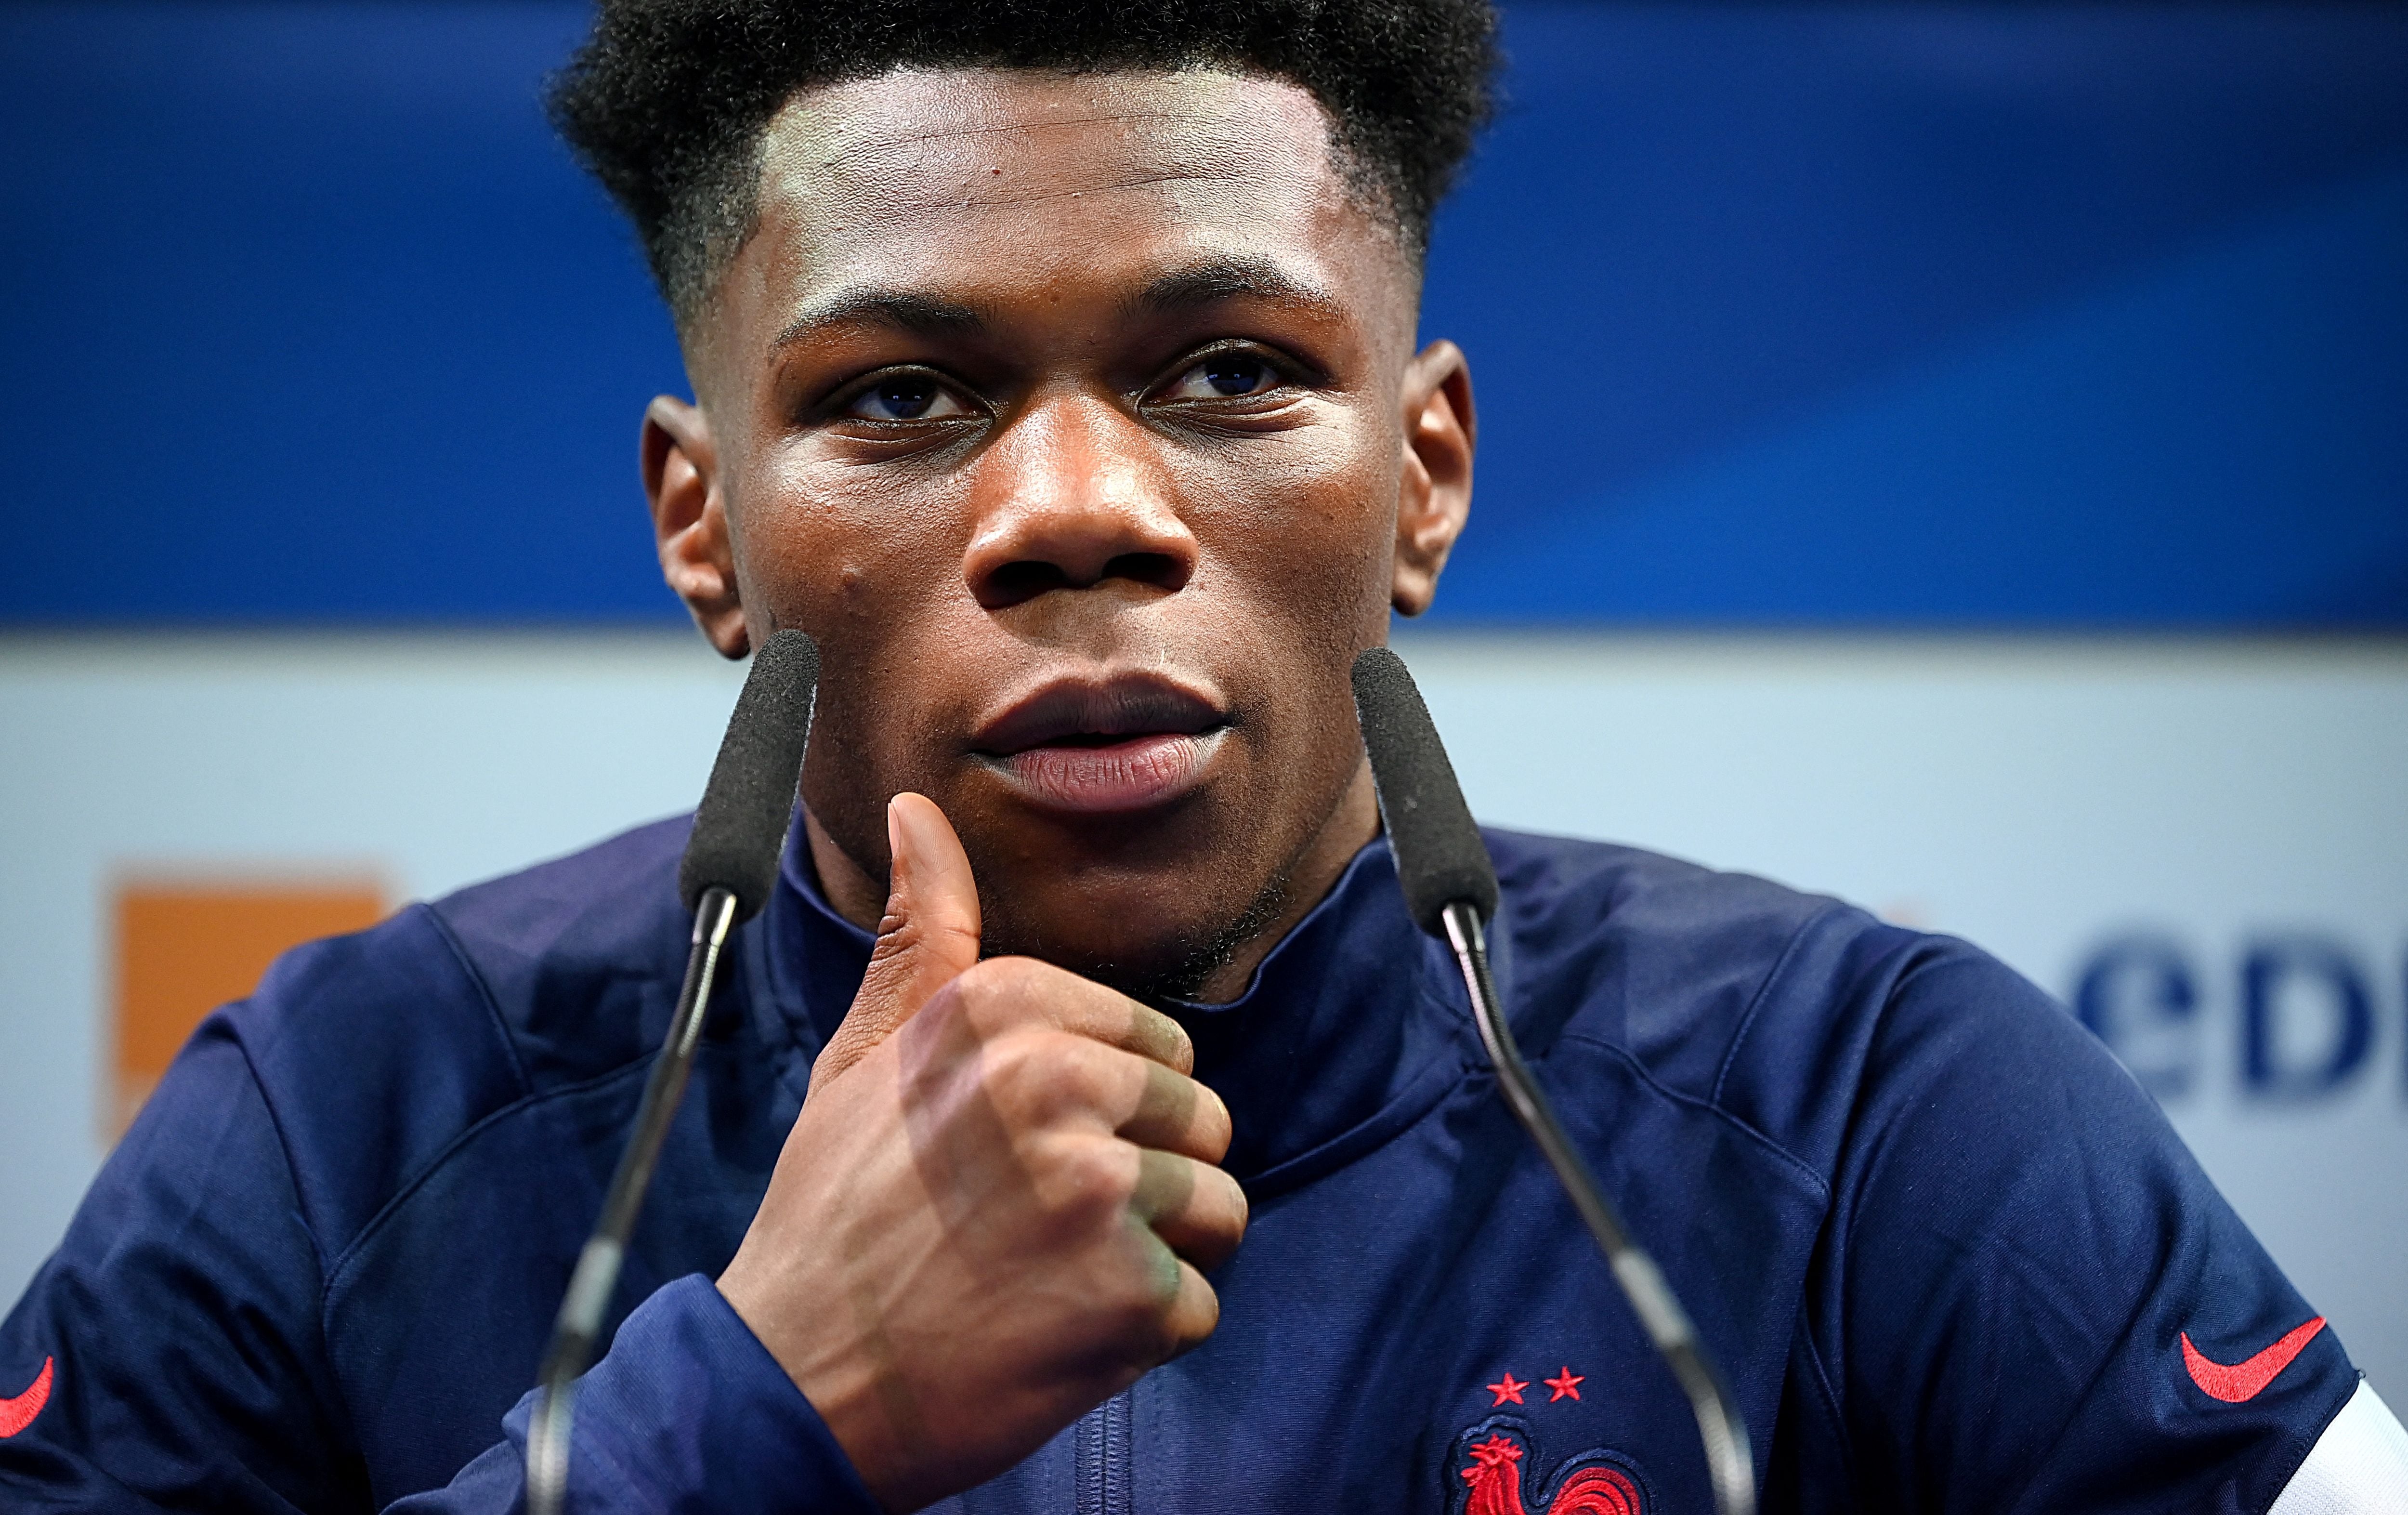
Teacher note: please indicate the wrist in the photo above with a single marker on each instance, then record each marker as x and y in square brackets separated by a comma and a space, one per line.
[841, 1379]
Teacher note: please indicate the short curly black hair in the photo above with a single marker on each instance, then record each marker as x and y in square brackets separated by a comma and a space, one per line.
[668, 102]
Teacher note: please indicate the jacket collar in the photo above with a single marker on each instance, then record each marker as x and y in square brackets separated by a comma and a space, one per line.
[1353, 1025]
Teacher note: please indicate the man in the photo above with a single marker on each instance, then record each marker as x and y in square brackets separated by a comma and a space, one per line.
[1084, 1126]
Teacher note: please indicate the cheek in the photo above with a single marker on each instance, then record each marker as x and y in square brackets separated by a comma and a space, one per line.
[851, 553]
[871, 565]
[1304, 542]
[1307, 531]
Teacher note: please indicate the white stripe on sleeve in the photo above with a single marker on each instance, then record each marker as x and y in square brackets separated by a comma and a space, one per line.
[2358, 1466]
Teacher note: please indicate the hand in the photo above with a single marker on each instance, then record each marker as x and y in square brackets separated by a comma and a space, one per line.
[992, 1212]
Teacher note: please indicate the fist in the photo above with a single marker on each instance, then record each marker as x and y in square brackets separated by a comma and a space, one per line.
[996, 1206]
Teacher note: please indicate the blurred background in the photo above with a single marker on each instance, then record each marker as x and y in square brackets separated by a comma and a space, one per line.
[1952, 457]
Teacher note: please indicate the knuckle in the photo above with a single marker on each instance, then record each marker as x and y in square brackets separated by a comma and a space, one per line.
[895, 937]
[942, 1007]
[1019, 978]
[1177, 1319]
[1160, 1336]
[1002, 992]
[1084, 1181]
[1145, 1306]
[977, 989]
[1033, 1078]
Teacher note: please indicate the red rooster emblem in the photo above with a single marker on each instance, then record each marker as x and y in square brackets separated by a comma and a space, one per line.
[1496, 1479]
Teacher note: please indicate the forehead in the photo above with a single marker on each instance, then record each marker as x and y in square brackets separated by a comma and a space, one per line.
[1008, 183]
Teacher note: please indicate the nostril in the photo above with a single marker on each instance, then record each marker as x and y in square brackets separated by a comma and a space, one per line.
[1160, 570]
[1024, 579]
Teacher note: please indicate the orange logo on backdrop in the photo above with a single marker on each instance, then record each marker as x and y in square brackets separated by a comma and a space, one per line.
[186, 946]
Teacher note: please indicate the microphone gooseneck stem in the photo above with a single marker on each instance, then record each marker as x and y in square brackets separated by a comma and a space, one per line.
[1728, 1461]
[579, 1322]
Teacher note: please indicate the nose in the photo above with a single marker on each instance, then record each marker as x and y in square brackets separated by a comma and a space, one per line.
[1075, 496]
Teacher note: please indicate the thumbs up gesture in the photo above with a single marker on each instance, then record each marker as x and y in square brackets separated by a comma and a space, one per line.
[992, 1211]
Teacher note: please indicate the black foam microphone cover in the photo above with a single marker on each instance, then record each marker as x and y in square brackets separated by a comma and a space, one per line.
[739, 828]
[1440, 856]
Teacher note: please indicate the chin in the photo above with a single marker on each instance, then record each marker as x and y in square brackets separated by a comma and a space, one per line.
[1154, 937]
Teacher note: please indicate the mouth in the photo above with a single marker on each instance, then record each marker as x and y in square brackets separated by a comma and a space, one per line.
[1117, 744]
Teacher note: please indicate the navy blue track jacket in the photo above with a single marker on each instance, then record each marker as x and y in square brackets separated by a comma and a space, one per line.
[1949, 1256]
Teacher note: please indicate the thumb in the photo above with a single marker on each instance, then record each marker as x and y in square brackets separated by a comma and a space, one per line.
[929, 935]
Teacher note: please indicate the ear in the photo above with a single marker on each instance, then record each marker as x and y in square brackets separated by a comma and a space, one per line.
[690, 521]
[1434, 496]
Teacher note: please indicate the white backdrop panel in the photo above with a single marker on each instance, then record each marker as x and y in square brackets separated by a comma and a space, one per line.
[2058, 801]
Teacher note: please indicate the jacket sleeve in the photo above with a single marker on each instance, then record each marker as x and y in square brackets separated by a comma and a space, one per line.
[2044, 1302]
[687, 1412]
[170, 1356]
[179, 1324]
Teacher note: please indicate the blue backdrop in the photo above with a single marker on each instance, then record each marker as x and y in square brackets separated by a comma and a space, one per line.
[1808, 314]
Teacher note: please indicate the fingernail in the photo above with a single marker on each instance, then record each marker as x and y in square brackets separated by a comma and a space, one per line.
[913, 827]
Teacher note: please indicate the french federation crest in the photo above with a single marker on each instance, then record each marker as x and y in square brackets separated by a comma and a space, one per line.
[1500, 1470]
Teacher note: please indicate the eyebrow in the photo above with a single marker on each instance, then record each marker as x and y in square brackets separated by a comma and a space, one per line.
[1176, 293]
[1200, 284]
[902, 310]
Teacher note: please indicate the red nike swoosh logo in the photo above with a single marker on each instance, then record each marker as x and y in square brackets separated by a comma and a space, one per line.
[2242, 1379]
[18, 1412]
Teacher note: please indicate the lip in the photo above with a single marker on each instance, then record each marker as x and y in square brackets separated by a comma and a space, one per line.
[1104, 746]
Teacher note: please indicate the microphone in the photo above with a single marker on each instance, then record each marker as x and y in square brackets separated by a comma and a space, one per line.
[729, 867]
[1450, 890]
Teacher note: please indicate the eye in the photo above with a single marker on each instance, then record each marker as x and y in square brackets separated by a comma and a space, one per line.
[906, 396]
[1228, 375]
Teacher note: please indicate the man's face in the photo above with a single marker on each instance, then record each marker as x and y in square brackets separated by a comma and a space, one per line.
[1077, 417]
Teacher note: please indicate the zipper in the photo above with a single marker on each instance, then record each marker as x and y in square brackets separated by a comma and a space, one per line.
[1103, 1455]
